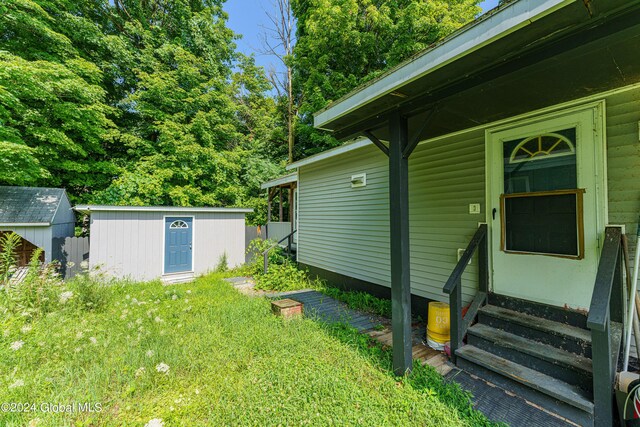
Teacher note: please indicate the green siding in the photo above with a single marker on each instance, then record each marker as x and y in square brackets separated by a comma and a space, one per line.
[445, 176]
[343, 229]
[346, 230]
[623, 158]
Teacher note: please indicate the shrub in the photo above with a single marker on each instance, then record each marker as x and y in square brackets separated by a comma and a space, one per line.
[38, 292]
[223, 263]
[8, 245]
[282, 277]
[89, 290]
[256, 249]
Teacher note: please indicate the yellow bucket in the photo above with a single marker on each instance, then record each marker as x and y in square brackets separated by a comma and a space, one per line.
[438, 322]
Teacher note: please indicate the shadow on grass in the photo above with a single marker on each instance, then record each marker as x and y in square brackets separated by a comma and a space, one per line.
[424, 379]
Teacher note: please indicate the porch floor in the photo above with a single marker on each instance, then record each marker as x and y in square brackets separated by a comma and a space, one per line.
[497, 404]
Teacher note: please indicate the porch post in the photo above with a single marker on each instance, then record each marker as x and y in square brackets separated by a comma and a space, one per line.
[269, 198]
[400, 265]
[280, 207]
[291, 207]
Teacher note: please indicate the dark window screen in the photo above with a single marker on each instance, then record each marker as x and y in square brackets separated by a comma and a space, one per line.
[542, 224]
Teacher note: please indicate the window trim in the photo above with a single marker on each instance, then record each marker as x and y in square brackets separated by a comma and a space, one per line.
[171, 227]
[578, 192]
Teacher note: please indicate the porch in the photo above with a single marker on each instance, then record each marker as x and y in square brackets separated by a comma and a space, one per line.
[534, 72]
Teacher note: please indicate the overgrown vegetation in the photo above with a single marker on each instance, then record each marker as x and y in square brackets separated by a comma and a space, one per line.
[284, 275]
[150, 103]
[358, 300]
[201, 354]
[196, 354]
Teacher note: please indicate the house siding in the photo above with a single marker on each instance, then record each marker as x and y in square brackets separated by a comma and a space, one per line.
[131, 244]
[346, 230]
[342, 229]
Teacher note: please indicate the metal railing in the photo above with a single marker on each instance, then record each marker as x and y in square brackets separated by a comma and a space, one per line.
[265, 254]
[607, 305]
[453, 287]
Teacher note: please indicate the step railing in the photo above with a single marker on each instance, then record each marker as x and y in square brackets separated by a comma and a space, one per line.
[607, 305]
[265, 254]
[460, 324]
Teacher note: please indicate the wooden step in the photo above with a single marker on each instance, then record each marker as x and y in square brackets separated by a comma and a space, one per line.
[566, 337]
[555, 395]
[569, 367]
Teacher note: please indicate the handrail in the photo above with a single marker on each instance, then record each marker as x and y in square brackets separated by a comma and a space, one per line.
[601, 297]
[458, 323]
[606, 306]
[463, 262]
[265, 254]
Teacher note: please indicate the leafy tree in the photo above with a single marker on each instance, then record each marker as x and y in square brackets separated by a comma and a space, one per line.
[344, 43]
[133, 102]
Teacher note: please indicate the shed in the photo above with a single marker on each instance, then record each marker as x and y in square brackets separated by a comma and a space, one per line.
[168, 242]
[41, 216]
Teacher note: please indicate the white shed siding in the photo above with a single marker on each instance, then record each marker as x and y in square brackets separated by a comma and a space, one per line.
[131, 243]
[39, 236]
[215, 234]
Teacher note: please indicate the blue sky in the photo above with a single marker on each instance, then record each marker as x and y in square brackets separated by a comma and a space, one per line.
[247, 17]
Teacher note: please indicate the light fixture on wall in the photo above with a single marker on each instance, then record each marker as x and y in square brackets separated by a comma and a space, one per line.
[359, 180]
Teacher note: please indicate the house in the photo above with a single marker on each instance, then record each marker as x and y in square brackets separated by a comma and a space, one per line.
[164, 242]
[41, 216]
[496, 170]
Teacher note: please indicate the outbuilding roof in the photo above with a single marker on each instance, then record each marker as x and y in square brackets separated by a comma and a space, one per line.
[29, 205]
[106, 208]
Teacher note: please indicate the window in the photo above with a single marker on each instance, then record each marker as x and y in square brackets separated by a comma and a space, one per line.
[541, 205]
[179, 224]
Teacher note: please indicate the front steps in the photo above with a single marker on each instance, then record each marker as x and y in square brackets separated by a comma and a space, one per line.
[539, 353]
[175, 278]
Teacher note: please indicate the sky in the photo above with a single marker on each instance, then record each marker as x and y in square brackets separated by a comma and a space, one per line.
[248, 17]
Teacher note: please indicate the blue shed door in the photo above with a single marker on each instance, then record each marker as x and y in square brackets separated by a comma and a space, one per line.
[178, 251]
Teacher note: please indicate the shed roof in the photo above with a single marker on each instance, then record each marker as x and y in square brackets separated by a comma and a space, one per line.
[35, 206]
[106, 208]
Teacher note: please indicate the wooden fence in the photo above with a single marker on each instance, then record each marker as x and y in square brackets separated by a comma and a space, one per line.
[73, 254]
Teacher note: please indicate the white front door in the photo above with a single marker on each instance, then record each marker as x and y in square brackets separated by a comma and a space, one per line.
[546, 206]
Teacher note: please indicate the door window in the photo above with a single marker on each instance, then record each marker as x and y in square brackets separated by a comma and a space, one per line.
[541, 204]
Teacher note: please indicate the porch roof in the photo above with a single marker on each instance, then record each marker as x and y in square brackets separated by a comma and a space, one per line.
[549, 51]
[281, 180]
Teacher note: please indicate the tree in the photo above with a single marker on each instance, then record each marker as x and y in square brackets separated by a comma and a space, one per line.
[133, 102]
[54, 121]
[344, 43]
[279, 41]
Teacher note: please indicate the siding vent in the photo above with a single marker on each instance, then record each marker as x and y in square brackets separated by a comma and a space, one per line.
[359, 180]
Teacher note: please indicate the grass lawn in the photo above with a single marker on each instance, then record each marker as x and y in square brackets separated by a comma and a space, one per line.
[201, 354]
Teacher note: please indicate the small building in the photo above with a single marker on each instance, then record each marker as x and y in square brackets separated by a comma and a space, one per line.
[167, 242]
[43, 217]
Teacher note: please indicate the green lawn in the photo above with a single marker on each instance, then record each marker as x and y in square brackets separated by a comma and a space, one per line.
[230, 362]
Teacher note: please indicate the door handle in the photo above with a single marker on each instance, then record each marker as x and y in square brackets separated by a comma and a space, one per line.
[493, 213]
